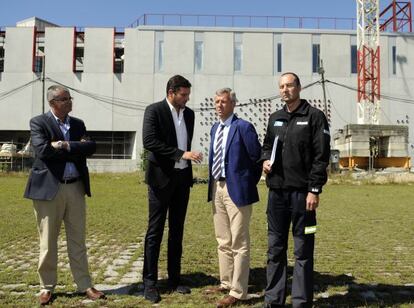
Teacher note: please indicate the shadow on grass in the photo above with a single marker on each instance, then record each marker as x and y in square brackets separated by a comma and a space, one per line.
[353, 294]
[330, 290]
[360, 294]
[198, 280]
[193, 281]
[69, 295]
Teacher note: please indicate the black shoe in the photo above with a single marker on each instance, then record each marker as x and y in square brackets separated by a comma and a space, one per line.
[182, 290]
[152, 294]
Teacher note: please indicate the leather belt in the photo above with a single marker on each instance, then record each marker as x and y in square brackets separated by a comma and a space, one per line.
[180, 170]
[69, 181]
[221, 179]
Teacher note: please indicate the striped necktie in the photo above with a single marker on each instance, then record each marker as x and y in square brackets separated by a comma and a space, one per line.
[218, 150]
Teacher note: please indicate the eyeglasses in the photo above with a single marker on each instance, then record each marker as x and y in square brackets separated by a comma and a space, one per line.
[63, 99]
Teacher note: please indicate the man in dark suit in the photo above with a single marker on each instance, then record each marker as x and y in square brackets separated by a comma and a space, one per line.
[57, 185]
[167, 133]
[233, 176]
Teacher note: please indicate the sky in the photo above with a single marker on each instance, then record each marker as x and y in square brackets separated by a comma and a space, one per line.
[121, 13]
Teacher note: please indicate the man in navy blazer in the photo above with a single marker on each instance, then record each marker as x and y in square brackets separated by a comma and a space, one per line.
[233, 176]
[57, 184]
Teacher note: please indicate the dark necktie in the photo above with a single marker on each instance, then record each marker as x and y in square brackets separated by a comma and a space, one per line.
[218, 150]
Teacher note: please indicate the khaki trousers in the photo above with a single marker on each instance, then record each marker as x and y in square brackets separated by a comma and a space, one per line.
[231, 224]
[68, 206]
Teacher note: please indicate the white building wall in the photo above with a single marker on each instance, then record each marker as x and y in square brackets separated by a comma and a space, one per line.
[19, 50]
[178, 52]
[99, 50]
[16, 110]
[258, 54]
[139, 51]
[141, 84]
[59, 50]
[40, 24]
[218, 48]
[385, 58]
[98, 114]
[297, 53]
[405, 56]
[336, 55]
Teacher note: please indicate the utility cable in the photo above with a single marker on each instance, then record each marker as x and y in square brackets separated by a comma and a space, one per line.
[8, 93]
[105, 99]
[255, 101]
[333, 105]
[382, 96]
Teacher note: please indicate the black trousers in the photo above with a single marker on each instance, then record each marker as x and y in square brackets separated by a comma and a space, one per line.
[283, 208]
[172, 199]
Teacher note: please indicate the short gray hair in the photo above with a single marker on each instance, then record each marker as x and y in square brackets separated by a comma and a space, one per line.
[52, 91]
[228, 91]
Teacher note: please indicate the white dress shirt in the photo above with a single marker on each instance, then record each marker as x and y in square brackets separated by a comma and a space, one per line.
[70, 168]
[226, 130]
[181, 132]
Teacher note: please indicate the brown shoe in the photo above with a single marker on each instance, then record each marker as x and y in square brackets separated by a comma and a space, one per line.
[94, 294]
[45, 297]
[215, 290]
[227, 301]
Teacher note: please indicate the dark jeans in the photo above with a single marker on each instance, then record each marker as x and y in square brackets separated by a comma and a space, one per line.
[283, 208]
[172, 199]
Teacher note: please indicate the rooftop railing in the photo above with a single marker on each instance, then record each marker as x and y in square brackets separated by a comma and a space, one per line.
[245, 21]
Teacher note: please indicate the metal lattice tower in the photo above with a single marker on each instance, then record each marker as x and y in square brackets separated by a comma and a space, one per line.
[397, 16]
[368, 30]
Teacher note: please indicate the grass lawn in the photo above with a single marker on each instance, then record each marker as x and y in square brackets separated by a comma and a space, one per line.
[364, 245]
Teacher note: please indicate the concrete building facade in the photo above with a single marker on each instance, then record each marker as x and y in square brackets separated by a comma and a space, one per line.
[114, 76]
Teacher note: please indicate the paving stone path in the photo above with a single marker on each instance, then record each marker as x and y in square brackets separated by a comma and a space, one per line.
[119, 268]
[120, 265]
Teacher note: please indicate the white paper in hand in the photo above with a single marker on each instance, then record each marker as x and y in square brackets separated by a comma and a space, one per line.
[274, 148]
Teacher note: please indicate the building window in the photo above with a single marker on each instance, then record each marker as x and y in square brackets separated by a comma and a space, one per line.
[78, 52]
[316, 53]
[39, 60]
[118, 60]
[238, 52]
[354, 59]
[1, 59]
[119, 53]
[39, 52]
[279, 57]
[394, 59]
[277, 53]
[2, 39]
[159, 51]
[316, 57]
[113, 145]
[198, 51]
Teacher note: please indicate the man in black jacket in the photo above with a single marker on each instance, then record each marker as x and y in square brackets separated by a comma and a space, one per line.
[57, 185]
[295, 156]
[167, 133]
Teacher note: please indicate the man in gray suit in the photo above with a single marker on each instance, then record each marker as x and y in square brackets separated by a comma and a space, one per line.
[57, 185]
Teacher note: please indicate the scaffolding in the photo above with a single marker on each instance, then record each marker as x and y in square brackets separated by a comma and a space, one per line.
[12, 159]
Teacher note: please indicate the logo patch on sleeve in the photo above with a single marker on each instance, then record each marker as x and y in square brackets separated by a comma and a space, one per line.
[278, 123]
[302, 123]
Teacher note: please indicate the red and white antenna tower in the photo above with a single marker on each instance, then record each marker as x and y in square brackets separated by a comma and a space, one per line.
[398, 15]
[368, 29]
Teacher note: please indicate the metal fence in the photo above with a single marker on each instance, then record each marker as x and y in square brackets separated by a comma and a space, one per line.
[248, 21]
